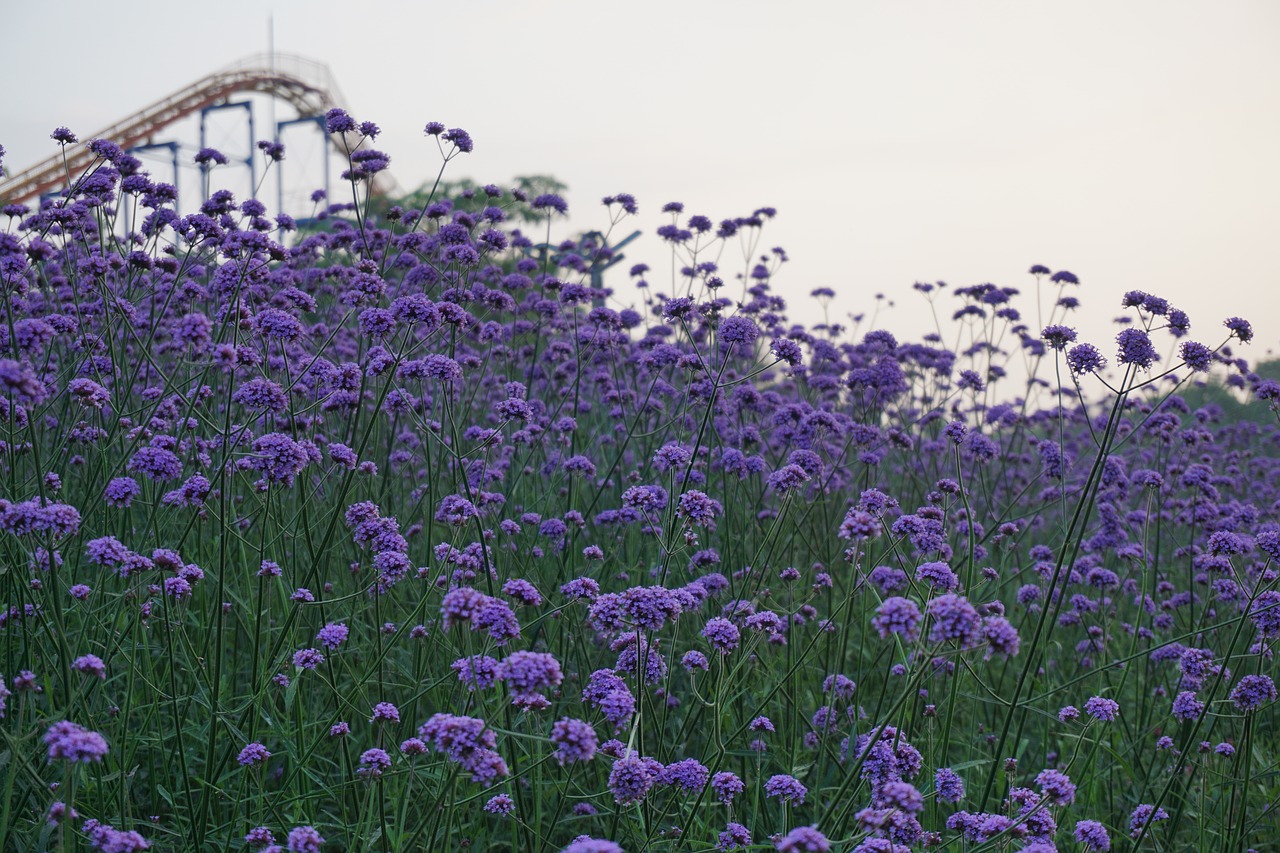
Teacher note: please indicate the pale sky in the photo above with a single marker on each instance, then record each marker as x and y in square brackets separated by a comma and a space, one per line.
[1134, 143]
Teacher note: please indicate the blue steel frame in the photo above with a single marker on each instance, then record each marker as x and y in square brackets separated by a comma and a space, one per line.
[248, 160]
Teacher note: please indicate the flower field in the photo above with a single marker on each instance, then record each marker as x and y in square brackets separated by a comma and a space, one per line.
[407, 529]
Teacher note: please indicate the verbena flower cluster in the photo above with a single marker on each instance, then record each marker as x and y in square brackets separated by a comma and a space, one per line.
[407, 528]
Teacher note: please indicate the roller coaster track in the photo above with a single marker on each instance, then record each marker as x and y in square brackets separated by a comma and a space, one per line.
[304, 84]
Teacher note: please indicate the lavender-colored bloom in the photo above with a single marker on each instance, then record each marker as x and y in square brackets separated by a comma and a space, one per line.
[689, 775]
[734, 837]
[1092, 835]
[156, 463]
[456, 510]
[121, 491]
[1145, 814]
[581, 588]
[727, 786]
[523, 592]
[111, 840]
[90, 665]
[803, 839]
[1058, 336]
[477, 672]
[1102, 709]
[954, 619]
[722, 634]
[1002, 638]
[70, 742]
[949, 785]
[386, 712]
[1253, 691]
[698, 508]
[373, 762]
[789, 789]
[307, 658]
[305, 839]
[692, 660]
[1136, 348]
[529, 673]
[1057, 787]
[575, 740]
[259, 836]
[332, 635]
[651, 607]
[500, 805]
[1265, 612]
[897, 616]
[739, 330]
[1240, 329]
[1084, 359]
[495, 617]
[630, 779]
[939, 575]
[1186, 706]
[253, 753]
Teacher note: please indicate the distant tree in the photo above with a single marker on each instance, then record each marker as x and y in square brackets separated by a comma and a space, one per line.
[1235, 405]
[469, 196]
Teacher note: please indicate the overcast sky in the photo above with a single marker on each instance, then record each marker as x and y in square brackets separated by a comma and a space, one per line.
[1134, 143]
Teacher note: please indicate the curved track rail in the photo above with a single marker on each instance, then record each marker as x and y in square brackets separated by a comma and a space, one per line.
[304, 84]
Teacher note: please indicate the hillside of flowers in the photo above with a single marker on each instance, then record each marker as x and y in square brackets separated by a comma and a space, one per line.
[408, 529]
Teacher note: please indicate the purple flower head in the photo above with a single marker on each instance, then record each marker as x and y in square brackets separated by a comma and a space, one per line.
[305, 839]
[1092, 835]
[692, 660]
[734, 837]
[550, 201]
[698, 508]
[630, 779]
[1252, 692]
[949, 785]
[954, 619]
[70, 742]
[803, 839]
[500, 805]
[1136, 348]
[253, 753]
[477, 672]
[1057, 787]
[939, 575]
[689, 775]
[460, 138]
[386, 712]
[786, 788]
[332, 635]
[338, 121]
[1084, 359]
[90, 665]
[898, 616]
[1102, 709]
[1240, 329]
[1058, 336]
[1144, 815]
[575, 740]
[527, 674]
[722, 634]
[307, 658]
[373, 762]
[727, 786]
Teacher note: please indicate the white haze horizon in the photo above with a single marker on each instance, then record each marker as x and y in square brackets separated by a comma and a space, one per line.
[1133, 144]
